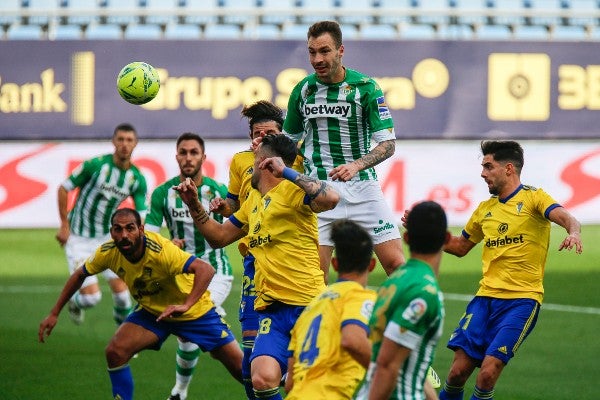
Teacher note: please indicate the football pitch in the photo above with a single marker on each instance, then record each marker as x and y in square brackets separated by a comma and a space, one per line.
[558, 361]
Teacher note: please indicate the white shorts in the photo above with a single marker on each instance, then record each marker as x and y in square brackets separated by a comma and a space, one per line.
[78, 249]
[363, 203]
[219, 288]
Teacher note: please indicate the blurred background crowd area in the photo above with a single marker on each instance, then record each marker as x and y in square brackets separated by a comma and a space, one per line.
[543, 20]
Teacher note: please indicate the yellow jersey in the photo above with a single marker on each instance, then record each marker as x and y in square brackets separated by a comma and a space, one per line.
[283, 238]
[516, 233]
[323, 370]
[156, 281]
[240, 177]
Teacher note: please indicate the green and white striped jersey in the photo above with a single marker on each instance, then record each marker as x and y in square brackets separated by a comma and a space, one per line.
[102, 187]
[335, 123]
[165, 204]
[409, 310]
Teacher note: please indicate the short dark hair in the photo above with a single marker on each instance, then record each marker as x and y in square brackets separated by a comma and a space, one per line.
[190, 136]
[263, 111]
[332, 27]
[127, 211]
[504, 151]
[426, 226]
[125, 126]
[353, 246]
[281, 146]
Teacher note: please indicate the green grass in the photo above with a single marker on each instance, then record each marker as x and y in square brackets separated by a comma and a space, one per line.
[558, 360]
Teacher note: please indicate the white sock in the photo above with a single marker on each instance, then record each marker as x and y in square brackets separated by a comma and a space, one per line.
[122, 305]
[186, 360]
[87, 300]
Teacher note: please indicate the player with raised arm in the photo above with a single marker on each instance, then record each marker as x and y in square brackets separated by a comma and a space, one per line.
[263, 118]
[279, 219]
[334, 114]
[166, 206]
[168, 303]
[514, 224]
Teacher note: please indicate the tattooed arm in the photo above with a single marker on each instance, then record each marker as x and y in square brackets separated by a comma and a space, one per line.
[322, 196]
[379, 153]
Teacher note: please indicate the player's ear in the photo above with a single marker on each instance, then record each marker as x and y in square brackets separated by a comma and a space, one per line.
[372, 264]
[447, 238]
[334, 262]
[405, 237]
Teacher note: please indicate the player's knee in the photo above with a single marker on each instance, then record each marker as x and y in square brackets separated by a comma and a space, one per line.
[488, 375]
[262, 379]
[116, 355]
[89, 300]
[457, 376]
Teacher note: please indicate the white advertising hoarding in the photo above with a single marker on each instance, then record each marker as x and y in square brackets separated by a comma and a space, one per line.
[445, 171]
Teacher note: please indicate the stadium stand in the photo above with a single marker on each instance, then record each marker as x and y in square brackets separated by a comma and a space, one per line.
[569, 20]
[182, 32]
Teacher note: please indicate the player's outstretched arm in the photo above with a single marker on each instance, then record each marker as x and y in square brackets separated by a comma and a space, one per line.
[64, 230]
[71, 286]
[203, 274]
[379, 153]
[216, 234]
[322, 196]
[562, 217]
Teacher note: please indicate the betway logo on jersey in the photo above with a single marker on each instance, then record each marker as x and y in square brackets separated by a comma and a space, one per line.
[113, 190]
[326, 110]
[505, 241]
[181, 214]
[259, 241]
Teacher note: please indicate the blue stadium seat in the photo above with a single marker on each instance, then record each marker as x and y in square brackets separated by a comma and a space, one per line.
[278, 12]
[42, 9]
[509, 12]
[530, 32]
[201, 12]
[182, 32]
[232, 11]
[493, 32]
[434, 12]
[417, 32]
[378, 32]
[122, 12]
[323, 8]
[569, 33]
[11, 7]
[24, 32]
[582, 12]
[294, 31]
[66, 32]
[86, 10]
[261, 31]
[222, 31]
[143, 32]
[395, 11]
[455, 32]
[161, 12]
[355, 12]
[545, 12]
[473, 12]
[349, 32]
[104, 32]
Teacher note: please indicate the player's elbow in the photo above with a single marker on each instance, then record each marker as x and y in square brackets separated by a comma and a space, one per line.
[331, 200]
[216, 242]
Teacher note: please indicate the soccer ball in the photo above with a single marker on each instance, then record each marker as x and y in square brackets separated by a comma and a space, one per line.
[138, 82]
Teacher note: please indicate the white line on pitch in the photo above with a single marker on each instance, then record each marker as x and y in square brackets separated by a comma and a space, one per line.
[447, 296]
